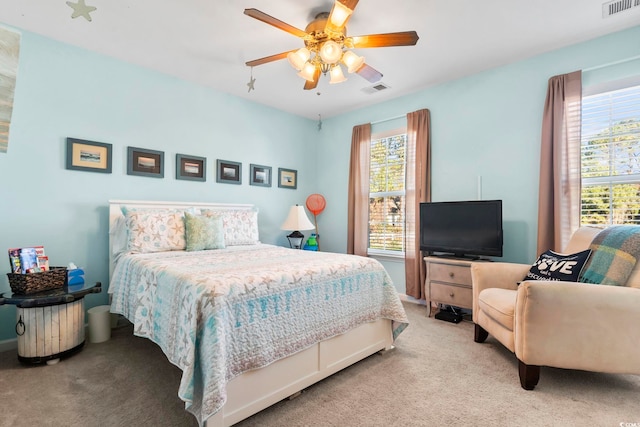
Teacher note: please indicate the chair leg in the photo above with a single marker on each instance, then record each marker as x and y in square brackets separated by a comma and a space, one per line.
[529, 375]
[480, 334]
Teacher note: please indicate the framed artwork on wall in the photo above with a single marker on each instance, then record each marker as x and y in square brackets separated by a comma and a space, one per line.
[88, 156]
[192, 168]
[229, 172]
[287, 178]
[260, 175]
[143, 162]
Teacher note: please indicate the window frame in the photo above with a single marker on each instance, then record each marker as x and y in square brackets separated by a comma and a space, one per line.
[386, 253]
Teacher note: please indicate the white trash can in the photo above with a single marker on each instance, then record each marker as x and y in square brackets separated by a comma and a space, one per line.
[99, 323]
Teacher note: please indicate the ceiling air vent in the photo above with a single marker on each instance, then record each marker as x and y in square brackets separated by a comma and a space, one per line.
[614, 7]
[378, 87]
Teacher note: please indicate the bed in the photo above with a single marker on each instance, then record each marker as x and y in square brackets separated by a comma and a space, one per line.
[247, 323]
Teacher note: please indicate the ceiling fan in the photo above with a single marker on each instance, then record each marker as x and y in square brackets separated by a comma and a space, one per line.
[327, 44]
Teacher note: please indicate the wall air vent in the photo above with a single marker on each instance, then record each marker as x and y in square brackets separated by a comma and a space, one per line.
[617, 6]
[378, 87]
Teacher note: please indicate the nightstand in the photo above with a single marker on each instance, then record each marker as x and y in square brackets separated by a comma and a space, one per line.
[50, 324]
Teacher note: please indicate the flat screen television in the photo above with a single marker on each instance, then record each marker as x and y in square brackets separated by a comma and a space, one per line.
[465, 229]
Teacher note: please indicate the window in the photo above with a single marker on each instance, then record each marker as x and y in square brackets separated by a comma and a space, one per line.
[610, 150]
[386, 194]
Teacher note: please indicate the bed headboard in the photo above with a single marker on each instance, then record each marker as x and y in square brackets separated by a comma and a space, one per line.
[115, 212]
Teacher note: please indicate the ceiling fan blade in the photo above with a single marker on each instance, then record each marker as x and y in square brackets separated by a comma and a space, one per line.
[316, 77]
[268, 59]
[342, 11]
[369, 73]
[267, 19]
[404, 38]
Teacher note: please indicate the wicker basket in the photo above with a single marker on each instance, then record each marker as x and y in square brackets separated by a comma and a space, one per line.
[23, 284]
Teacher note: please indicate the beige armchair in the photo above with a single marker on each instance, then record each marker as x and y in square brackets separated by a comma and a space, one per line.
[559, 324]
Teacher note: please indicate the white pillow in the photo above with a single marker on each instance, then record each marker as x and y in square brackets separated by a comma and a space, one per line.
[155, 231]
[240, 225]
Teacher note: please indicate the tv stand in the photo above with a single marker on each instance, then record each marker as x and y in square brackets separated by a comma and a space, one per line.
[448, 281]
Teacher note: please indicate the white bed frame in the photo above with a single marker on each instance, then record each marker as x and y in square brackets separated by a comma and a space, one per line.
[256, 390]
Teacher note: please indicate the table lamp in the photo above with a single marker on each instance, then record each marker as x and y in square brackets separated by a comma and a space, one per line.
[296, 221]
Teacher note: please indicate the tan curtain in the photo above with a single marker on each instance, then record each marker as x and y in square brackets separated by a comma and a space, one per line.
[559, 195]
[417, 190]
[358, 205]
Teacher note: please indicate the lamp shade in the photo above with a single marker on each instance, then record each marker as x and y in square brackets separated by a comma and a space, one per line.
[339, 14]
[352, 61]
[297, 220]
[298, 58]
[308, 71]
[330, 52]
[336, 75]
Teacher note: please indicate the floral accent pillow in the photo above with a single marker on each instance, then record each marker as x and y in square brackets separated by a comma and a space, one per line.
[155, 231]
[203, 232]
[240, 226]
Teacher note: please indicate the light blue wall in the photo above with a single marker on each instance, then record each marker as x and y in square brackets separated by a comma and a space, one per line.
[63, 91]
[486, 125]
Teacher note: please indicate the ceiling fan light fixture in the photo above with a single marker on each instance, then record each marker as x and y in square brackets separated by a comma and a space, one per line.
[330, 52]
[352, 61]
[336, 75]
[307, 71]
[298, 58]
[340, 14]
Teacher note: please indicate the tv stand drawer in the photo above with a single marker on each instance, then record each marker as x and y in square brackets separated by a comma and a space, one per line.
[459, 296]
[449, 273]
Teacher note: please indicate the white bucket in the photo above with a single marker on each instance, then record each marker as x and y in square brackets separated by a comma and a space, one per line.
[99, 324]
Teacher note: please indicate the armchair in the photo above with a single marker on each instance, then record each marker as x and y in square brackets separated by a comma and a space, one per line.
[558, 324]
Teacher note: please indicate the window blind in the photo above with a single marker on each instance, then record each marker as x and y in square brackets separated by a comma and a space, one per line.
[610, 154]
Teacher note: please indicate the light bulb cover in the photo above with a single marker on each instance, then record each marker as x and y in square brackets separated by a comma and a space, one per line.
[352, 61]
[339, 14]
[307, 71]
[330, 52]
[298, 58]
[336, 75]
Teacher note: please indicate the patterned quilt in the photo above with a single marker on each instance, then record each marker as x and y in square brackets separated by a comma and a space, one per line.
[219, 313]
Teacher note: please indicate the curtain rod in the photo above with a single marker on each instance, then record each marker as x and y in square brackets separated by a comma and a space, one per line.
[610, 64]
[388, 120]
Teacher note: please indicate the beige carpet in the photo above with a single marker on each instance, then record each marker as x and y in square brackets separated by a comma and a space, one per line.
[435, 376]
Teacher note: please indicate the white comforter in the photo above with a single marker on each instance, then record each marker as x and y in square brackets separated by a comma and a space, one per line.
[219, 313]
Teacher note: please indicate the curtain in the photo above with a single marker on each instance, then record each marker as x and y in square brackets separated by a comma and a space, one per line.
[559, 194]
[358, 204]
[417, 190]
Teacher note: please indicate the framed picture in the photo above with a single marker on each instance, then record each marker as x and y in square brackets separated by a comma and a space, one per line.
[287, 178]
[88, 156]
[260, 175]
[192, 168]
[143, 162]
[229, 172]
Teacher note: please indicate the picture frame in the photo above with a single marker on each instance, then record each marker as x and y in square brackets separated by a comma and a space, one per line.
[287, 178]
[260, 175]
[144, 162]
[229, 172]
[191, 168]
[89, 156]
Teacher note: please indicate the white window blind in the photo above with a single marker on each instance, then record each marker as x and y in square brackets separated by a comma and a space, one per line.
[386, 194]
[610, 149]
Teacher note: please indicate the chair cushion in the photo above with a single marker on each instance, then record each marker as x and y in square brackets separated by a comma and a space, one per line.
[499, 304]
[554, 266]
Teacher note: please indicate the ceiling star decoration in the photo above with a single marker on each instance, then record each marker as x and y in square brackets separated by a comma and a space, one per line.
[251, 83]
[81, 9]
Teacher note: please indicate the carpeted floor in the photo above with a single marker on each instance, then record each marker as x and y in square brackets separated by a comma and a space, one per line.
[435, 376]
